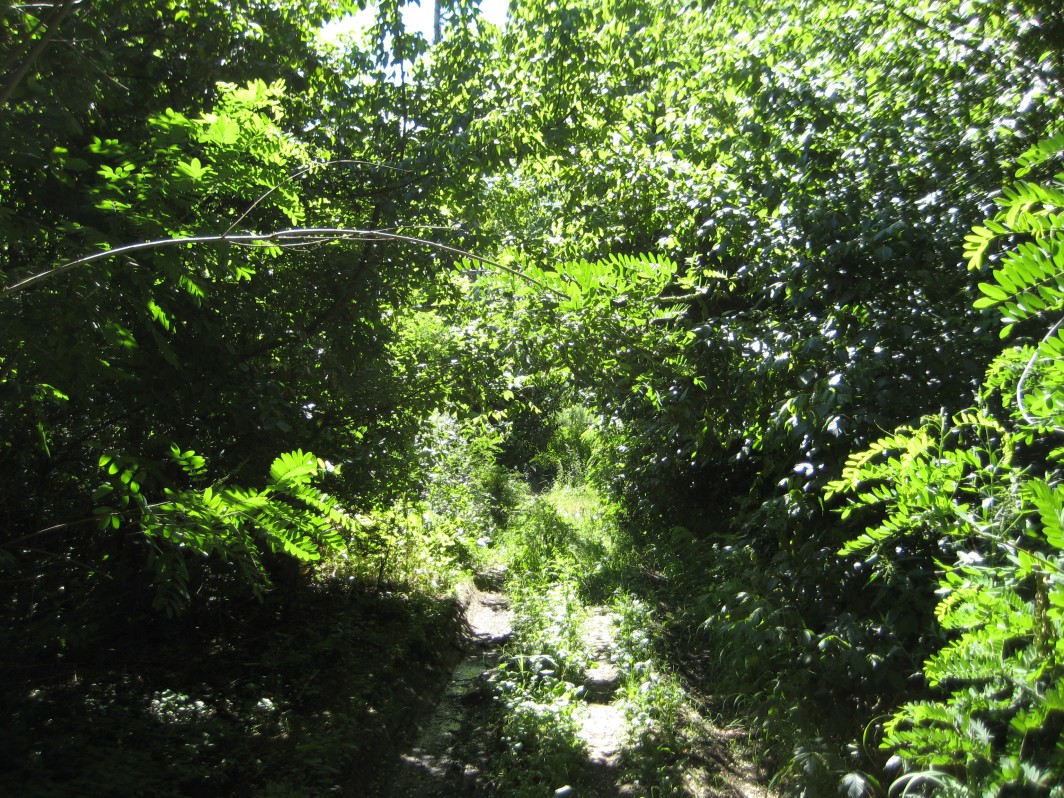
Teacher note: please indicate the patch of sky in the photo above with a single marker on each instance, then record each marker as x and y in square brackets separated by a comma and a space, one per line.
[417, 17]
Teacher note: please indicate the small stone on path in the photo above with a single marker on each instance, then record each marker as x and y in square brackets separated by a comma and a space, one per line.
[601, 680]
[603, 729]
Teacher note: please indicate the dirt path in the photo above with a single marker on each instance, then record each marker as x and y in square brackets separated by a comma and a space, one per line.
[603, 724]
[440, 763]
[452, 754]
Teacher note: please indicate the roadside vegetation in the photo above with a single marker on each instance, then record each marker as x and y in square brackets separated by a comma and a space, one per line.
[730, 329]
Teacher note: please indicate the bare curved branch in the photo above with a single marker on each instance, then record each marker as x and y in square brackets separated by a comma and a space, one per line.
[1027, 373]
[295, 237]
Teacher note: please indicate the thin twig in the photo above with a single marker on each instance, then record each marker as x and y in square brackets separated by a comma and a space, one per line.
[53, 26]
[1027, 373]
[297, 236]
[95, 66]
[299, 174]
[52, 528]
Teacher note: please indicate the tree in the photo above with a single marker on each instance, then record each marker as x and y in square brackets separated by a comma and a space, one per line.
[803, 177]
[133, 359]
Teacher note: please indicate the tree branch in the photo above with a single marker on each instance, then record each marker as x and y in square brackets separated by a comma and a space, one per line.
[1021, 405]
[300, 236]
[58, 15]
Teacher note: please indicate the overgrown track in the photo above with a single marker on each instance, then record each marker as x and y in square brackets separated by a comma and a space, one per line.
[444, 760]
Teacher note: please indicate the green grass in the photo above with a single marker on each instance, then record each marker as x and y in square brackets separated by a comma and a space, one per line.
[567, 555]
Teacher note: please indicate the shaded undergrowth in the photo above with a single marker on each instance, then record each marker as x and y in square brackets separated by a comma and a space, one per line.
[302, 696]
[315, 690]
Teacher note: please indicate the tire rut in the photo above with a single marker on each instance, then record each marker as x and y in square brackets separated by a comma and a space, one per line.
[439, 763]
[453, 750]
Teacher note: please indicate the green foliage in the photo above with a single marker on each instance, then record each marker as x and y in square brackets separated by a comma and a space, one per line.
[568, 553]
[992, 529]
[804, 205]
[236, 525]
[573, 445]
[541, 537]
[1028, 282]
[537, 682]
[997, 530]
[464, 491]
[945, 474]
[806, 174]
[203, 123]
[729, 254]
[663, 727]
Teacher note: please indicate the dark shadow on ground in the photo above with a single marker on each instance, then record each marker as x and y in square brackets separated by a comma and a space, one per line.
[309, 694]
[480, 765]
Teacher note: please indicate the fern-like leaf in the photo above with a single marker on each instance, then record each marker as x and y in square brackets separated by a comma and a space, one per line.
[294, 468]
